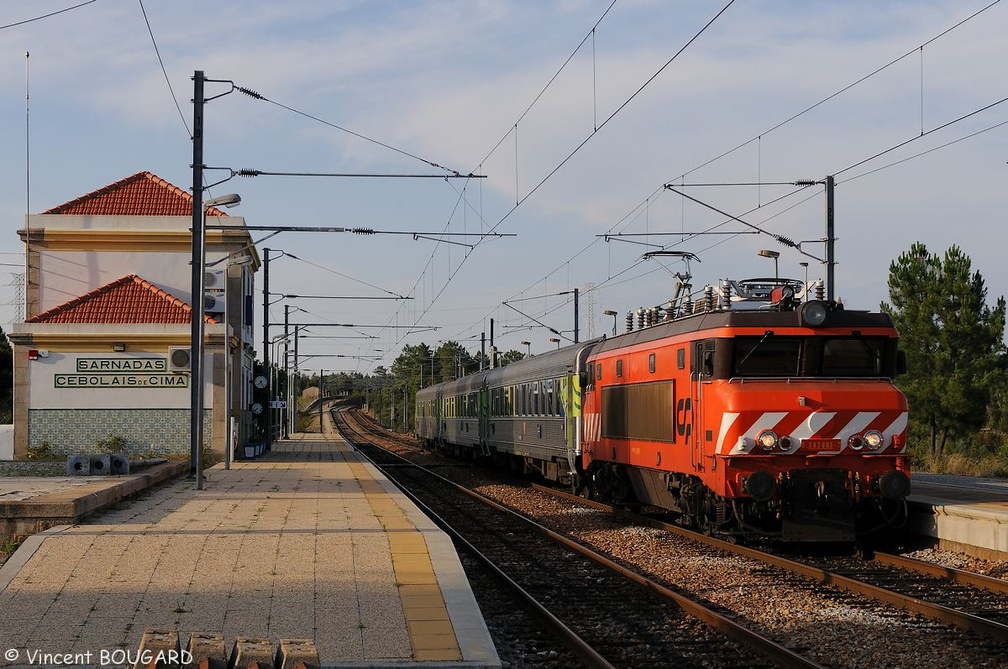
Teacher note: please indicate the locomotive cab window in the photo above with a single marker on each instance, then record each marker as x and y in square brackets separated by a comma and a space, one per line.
[776, 356]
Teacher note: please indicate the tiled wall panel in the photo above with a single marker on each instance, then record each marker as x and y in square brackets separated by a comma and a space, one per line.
[143, 432]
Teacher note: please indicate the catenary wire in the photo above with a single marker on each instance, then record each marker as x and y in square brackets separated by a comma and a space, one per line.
[164, 71]
[583, 143]
[45, 16]
[793, 117]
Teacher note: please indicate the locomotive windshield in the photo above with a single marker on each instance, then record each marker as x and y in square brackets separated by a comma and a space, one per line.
[775, 356]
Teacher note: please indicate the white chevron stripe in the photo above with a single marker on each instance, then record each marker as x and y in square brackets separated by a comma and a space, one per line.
[727, 420]
[857, 425]
[814, 423]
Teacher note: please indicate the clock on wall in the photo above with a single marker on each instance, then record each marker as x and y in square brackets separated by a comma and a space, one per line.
[260, 381]
[256, 408]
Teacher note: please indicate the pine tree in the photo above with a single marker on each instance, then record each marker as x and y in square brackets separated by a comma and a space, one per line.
[952, 339]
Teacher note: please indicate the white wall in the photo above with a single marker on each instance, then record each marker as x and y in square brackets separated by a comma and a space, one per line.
[6, 442]
[58, 382]
[66, 275]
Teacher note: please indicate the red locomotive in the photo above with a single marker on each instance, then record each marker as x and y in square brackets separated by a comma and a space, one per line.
[748, 412]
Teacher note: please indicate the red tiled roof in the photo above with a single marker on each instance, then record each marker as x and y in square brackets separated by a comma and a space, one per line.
[143, 194]
[126, 300]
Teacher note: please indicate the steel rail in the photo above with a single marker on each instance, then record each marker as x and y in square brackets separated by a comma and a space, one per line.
[948, 573]
[960, 619]
[581, 648]
[713, 619]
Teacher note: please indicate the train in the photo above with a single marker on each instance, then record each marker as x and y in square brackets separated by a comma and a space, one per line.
[760, 409]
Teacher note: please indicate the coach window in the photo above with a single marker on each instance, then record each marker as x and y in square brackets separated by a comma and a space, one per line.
[550, 398]
[619, 369]
[680, 357]
[651, 363]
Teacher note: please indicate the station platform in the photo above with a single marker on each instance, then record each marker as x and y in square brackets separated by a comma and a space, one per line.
[963, 513]
[306, 542]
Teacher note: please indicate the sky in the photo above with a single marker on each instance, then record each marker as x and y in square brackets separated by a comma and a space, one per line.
[575, 113]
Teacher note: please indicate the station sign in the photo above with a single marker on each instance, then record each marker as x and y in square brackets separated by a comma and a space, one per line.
[121, 373]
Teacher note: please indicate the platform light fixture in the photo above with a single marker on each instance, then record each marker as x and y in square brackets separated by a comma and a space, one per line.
[610, 312]
[767, 253]
[199, 334]
[528, 348]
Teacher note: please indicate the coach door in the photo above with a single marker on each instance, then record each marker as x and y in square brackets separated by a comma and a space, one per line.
[483, 398]
[438, 417]
[701, 369]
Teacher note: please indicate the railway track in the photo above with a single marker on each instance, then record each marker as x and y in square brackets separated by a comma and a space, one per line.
[969, 601]
[606, 614]
[808, 610]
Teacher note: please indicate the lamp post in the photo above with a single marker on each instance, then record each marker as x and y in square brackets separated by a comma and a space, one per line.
[555, 341]
[528, 348]
[321, 428]
[767, 253]
[610, 312]
[198, 332]
[238, 259]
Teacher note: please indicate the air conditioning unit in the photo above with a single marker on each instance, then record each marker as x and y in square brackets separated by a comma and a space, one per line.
[213, 303]
[179, 358]
[213, 279]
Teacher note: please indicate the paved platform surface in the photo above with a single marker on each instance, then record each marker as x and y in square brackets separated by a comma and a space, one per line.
[963, 513]
[306, 542]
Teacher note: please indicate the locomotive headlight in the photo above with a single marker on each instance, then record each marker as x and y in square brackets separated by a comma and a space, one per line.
[760, 485]
[873, 440]
[767, 439]
[813, 313]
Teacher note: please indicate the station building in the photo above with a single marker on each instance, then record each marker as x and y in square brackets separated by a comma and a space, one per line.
[100, 362]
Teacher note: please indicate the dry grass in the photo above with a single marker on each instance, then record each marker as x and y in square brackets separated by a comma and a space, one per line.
[986, 466]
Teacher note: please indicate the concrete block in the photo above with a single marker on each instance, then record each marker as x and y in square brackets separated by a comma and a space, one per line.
[101, 465]
[248, 651]
[158, 643]
[294, 653]
[79, 465]
[119, 464]
[206, 651]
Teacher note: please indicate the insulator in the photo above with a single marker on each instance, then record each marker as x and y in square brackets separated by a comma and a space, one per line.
[786, 241]
[725, 294]
[249, 92]
[805, 182]
[708, 292]
[640, 318]
[629, 321]
[669, 311]
[653, 313]
[820, 290]
[687, 307]
[363, 231]
[248, 173]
